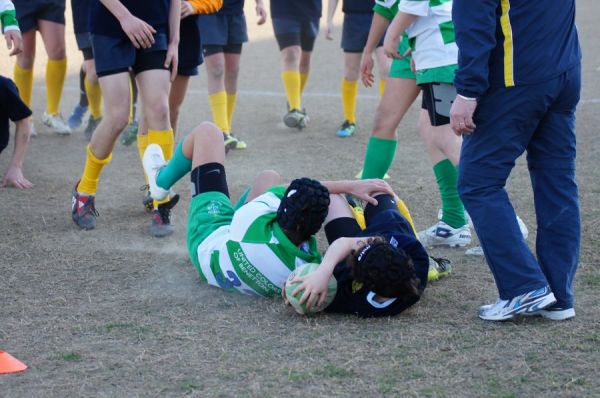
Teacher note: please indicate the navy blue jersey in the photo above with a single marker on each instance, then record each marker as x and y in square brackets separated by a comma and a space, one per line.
[352, 297]
[153, 12]
[81, 15]
[296, 9]
[358, 6]
[513, 42]
[232, 7]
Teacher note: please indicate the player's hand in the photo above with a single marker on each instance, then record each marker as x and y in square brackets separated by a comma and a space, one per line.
[314, 286]
[391, 45]
[461, 116]
[329, 31]
[366, 189]
[172, 59]
[14, 41]
[139, 32]
[261, 13]
[366, 70]
[14, 178]
[186, 9]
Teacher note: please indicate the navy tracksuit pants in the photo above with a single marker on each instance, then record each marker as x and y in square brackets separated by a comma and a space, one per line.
[539, 119]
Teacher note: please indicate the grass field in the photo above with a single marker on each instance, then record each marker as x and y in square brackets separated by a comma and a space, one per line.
[115, 313]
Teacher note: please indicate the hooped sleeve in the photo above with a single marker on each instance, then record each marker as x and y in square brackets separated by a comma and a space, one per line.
[8, 16]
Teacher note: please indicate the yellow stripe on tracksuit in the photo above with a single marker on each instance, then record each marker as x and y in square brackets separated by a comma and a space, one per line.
[509, 79]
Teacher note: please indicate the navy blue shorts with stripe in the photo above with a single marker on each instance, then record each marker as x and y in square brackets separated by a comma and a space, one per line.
[293, 32]
[29, 12]
[221, 30]
[355, 32]
[117, 54]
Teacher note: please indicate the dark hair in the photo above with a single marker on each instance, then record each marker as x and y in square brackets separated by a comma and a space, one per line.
[385, 270]
[303, 208]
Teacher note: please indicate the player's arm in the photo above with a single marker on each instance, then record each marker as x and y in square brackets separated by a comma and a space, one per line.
[331, 7]
[362, 189]
[10, 27]
[139, 32]
[315, 284]
[171, 60]
[14, 175]
[474, 28]
[261, 12]
[401, 22]
[379, 24]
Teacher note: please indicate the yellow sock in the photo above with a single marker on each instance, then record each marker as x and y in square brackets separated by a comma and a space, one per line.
[291, 83]
[94, 96]
[24, 81]
[349, 92]
[218, 107]
[406, 214]
[91, 172]
[303, 81]
[142, 143]
[231, 98]
[131, 103]
[381, 87]
[56, 71]
[166, 140]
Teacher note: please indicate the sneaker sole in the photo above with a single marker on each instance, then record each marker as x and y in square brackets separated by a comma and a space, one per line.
[558, 315]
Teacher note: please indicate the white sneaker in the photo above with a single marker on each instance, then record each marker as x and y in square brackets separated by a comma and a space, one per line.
[56, 124]
[153, 161]
[557, 314]
[442, 234]
[530, 303]
[522, 225]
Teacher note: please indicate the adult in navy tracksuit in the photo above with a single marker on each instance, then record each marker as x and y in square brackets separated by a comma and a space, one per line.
[518, 85]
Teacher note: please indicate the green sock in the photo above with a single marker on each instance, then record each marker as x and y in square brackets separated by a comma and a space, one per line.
[379, 157]
[177, 167]
[453, 210]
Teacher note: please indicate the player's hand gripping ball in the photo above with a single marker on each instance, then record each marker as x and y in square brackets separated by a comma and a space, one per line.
[294, 301]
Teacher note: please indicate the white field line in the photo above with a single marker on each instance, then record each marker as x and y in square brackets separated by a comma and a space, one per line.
[261, 93]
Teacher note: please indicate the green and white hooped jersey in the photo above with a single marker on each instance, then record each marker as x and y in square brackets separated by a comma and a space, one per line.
[253, 255]
[432, 33]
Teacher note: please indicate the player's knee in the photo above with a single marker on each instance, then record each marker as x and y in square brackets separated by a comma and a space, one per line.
[208, 129]
[158, 110]
[381, 125]
[117, 118]
[232, 68]
[56, 51]
[290, 55]
[216, 70]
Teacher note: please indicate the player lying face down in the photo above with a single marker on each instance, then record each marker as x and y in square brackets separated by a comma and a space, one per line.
[380, 271]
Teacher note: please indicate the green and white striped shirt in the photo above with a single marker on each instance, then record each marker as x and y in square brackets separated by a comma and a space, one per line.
[432, 39]
[253, 255]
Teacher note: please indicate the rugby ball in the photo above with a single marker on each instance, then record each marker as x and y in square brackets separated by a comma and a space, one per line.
[290, 286]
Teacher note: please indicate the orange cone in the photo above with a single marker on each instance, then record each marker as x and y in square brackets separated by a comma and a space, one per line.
[10, 364]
